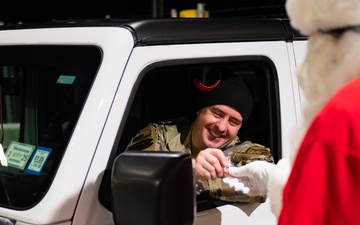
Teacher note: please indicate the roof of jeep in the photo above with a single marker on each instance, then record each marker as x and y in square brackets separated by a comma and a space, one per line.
[186, 30]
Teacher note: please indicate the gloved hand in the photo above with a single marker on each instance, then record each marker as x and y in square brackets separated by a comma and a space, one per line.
[251, 179]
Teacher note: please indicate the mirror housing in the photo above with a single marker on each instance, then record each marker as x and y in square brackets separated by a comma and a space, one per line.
[153, 188]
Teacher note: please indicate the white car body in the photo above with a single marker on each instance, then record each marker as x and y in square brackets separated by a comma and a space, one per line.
[72, 197]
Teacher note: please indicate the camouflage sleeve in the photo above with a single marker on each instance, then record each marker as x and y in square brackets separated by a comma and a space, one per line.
[148, 138]
[241, 154]
[247, 152]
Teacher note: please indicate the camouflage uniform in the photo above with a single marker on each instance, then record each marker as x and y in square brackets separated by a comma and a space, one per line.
[176, 136]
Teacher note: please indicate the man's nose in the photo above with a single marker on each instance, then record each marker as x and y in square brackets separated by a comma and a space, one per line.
[222, 125]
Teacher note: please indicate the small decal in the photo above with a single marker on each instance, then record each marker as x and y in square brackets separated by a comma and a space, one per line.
[38, 160]
[66, 79]
[18, 154]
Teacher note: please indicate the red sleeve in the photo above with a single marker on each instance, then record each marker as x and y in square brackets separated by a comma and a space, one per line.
[322, 189]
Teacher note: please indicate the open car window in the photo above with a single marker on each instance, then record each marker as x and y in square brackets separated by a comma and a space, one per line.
[166, 92]
[176, 84]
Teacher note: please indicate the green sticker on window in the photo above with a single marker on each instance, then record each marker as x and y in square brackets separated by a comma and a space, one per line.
[66, 79]
[18, 154]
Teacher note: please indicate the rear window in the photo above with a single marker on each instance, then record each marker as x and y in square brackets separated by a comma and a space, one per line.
[42, 92]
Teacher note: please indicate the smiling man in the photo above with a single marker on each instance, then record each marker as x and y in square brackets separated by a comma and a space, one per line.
[221, 109]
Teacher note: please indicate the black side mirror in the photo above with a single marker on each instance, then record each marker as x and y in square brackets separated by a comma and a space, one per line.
[153, 188]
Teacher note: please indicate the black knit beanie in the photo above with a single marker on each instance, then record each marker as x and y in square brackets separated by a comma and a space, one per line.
[226, 90]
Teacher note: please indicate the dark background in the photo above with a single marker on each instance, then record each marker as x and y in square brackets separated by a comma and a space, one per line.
[29, 11]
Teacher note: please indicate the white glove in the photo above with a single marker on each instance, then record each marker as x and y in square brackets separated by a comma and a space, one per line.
[251, 179]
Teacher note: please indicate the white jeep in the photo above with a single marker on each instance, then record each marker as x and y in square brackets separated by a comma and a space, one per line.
[73, 93]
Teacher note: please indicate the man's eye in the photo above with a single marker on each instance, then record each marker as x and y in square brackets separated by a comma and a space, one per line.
[235, 123]
[217, 115]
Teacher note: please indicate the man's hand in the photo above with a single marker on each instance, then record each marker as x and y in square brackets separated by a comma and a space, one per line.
[251, 179]
[210, 163]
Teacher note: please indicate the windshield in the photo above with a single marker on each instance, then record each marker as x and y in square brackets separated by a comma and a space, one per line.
[42, 92]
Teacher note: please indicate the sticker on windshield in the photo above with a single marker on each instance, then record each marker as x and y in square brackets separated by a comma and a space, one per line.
[38, 160]
[18, 154]
[66, 79]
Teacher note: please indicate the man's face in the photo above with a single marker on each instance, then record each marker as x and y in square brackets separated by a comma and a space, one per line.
[215, 127]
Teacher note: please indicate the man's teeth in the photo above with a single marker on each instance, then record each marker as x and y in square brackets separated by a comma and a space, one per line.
[214, 134]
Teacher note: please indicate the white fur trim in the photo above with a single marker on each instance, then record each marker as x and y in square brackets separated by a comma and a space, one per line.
[309, 16]
[277, 179]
